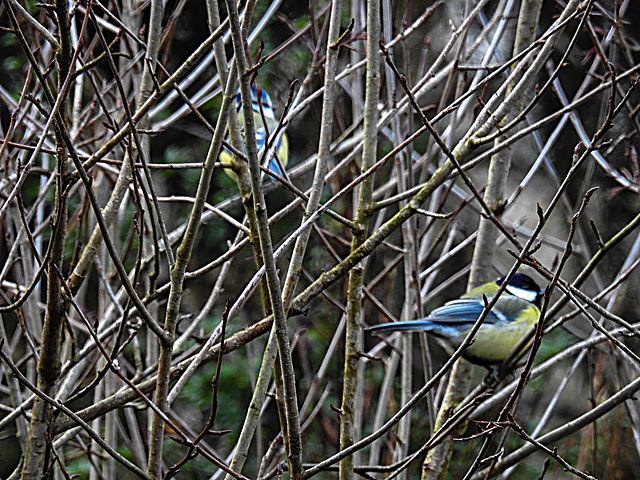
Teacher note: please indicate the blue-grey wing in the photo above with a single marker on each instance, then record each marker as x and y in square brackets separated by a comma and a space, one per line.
[463, 312]
[261, 138]
[447, 321]
[274, 167]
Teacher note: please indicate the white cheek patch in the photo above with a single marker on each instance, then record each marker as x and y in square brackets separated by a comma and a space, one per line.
[528, 295]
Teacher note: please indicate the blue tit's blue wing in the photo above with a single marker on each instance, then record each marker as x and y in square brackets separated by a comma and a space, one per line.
[274, 167]
[261, 139]
[282, 154]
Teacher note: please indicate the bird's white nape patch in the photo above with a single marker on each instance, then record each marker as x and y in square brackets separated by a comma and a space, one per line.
[527, 295]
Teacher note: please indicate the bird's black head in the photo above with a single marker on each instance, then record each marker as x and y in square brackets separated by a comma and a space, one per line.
[523, 286]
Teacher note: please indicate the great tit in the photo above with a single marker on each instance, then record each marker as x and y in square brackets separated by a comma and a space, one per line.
[266, 123]
[513, 315]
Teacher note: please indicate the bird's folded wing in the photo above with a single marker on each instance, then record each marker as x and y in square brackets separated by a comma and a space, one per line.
[463, 312]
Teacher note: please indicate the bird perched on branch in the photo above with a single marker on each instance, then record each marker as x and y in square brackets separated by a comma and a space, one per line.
[513, 315]
[265, 125]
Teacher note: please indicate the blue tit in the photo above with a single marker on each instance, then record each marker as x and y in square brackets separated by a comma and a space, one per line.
[513, 315]
[266, 123]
